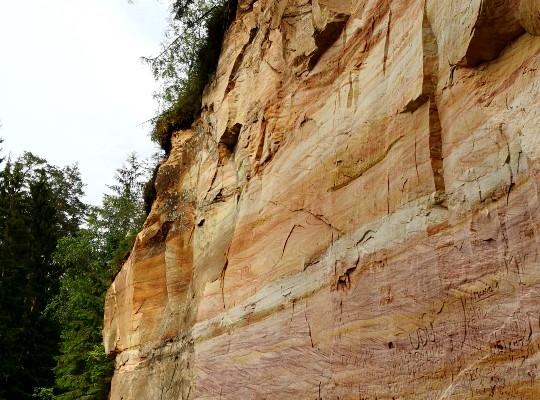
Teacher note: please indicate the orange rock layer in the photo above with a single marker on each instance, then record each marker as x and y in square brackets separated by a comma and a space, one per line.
[354, 216]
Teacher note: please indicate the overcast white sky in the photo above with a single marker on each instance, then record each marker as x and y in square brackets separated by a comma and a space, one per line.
[72, 86]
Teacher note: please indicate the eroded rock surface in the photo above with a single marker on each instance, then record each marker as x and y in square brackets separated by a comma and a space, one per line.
[354, 216]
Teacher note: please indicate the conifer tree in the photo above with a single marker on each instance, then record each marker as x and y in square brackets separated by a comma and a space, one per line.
[89, 260]
[38, 205]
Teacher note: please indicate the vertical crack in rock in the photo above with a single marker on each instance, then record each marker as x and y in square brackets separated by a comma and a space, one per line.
[239, 59]
[221, 157]
[431, 78]
[508, 161]
[223, 272]
[435, 147]
[293, 303]
[428, 95]
[260, 145]
[388, 193]
[387, 39]
[308, 326]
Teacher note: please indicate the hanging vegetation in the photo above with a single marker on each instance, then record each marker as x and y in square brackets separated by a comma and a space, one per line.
[187, 63]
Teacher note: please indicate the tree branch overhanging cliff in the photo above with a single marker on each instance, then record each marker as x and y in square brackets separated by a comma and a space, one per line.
[187, 63]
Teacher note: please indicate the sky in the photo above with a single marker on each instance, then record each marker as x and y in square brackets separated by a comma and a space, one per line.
[73, 88]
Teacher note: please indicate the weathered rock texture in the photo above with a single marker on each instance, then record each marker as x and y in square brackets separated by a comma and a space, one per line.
[354, 216]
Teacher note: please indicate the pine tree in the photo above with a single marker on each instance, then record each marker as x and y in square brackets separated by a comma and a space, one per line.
[89, 260]
[14, 301]
[56, 261]
[34, 214]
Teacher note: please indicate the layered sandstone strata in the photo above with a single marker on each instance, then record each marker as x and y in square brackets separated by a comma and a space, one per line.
[354, 216]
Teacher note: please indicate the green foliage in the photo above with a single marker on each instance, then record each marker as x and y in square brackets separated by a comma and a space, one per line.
[186, 65]
[81, 371]
[57, 257]
[39, 204]
[44, 394]
[89, 259]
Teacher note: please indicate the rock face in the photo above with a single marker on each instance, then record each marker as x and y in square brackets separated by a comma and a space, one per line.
[355, 215]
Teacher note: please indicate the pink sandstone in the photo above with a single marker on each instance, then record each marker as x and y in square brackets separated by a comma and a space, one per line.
[355, 215]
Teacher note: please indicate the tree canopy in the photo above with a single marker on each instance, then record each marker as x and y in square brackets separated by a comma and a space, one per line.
[89, 260]
[39, 204]
[57, 258]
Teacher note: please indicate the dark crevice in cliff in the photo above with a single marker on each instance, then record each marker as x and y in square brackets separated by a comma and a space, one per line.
[293, 303]
[387, 40]
[435, 148]
[260, 146]
[367, 236]
[327, 37]
[158, 239]
[429, 87]
[428, 96]
[309, 327]
[239, 59]
[415, 104]
[343, 282]
[313, 261]
[495, 28]
[388, 193]
[230, 138]
[288, 237]
[223, 272]
[216, 170]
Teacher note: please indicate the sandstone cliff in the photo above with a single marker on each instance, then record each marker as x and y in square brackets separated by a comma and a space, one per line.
[354, 216]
